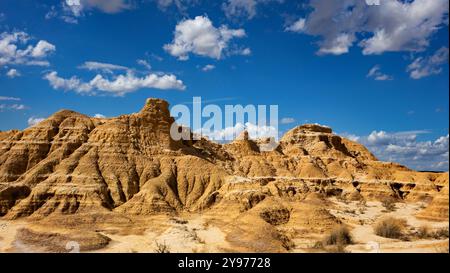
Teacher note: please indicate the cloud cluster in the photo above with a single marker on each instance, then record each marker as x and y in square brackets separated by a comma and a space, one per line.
[405, 148]
[391, 26]
[425, 66]
[11, 106]
[118, 85]
[231, 133]
[199, 36]
[16, 49]
[376, 74]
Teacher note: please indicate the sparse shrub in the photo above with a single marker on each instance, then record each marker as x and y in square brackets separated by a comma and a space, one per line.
[388, 203]
[318, 245]
[161, 247]
[340, 235]
[423, 232]
[350, 211]
[441, 233]
[195, 237]
[390, 228]
[362, 203]
[342, 198]
[179, 221]
[355, 196]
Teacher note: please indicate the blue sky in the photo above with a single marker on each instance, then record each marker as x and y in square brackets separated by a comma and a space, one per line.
[376, 74]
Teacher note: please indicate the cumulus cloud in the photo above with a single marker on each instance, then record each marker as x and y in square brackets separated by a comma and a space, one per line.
[13, 73]
[407, 149]
[244, 8]
[99, 116]
[16, 49]
[104, 67]
[423, 67]
[376, 74]
[33, 121]
[391, 26]
[208, 67]
[118, 85]
[199, 36]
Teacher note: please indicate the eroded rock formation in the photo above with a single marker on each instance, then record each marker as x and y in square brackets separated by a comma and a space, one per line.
[71, 163]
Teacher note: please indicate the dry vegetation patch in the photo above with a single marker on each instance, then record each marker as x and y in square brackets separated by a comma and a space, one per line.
[390, 227]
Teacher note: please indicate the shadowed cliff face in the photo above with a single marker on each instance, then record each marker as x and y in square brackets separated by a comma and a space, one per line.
[72, 163]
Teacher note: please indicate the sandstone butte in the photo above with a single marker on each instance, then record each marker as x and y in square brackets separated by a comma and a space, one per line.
[73, 164]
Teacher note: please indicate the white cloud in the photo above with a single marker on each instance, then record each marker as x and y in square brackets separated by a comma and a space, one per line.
[9, 98]
[144, 63]
[52, 13]
[297, 26]
[70, 10]
[99, 116]
[107, 6]
[231, 133]
[376, 74]
[405, 148]
[200, 37]
[287, 120]
[180, 5]
[339, 45]
[244, 8]
[12, 73]
[208, 67]
[15, 49]
[245, 52]
[33, 121]
[423, 67]
[13, 107]
[104, 67]
[117, 86]
[391, 26]
[42, 49]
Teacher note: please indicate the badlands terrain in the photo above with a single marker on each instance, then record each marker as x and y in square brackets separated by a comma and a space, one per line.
[77, 183]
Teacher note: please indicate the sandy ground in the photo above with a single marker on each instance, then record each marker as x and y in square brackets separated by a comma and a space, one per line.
[365, 239]
[182, 235]
[198, 233]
